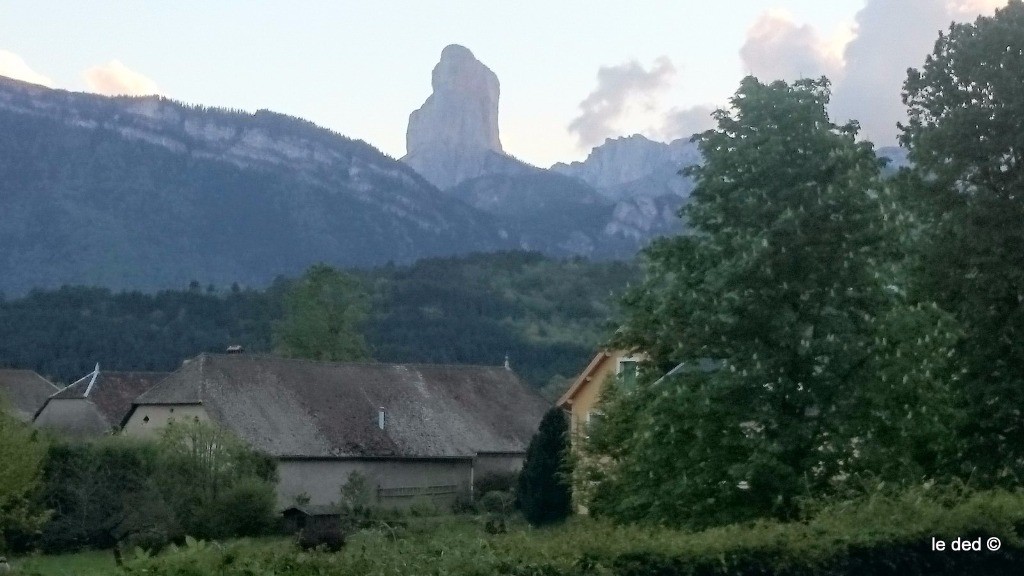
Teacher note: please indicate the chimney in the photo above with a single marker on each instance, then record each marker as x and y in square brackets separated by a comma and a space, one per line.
[380, 418]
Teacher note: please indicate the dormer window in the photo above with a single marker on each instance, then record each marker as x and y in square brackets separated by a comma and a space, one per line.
[627, 369]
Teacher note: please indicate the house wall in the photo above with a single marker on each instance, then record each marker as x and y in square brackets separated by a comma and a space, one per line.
[497, 464]
[159, 416]
[403, 481]
[77, 417]
[589, 394]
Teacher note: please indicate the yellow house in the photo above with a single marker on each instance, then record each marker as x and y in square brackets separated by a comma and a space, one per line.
[580, 401]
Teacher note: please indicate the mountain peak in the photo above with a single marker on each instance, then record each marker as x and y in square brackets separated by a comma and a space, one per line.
[453, 136]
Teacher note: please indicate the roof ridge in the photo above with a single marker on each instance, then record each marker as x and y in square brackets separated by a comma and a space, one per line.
[343, 362]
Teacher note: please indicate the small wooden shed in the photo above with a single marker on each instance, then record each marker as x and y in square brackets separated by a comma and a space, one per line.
[311, 518]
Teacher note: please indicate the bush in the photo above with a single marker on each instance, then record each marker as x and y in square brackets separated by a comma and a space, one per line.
[216, 485]
[118, 489]
[887, 534]
[501, 481]
[95, 490]
[246, 508]
[543, 492]
[497, 502]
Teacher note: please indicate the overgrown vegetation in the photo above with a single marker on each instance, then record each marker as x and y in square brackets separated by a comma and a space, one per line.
[22, 453]
[866, 330]
[844, 537]
[194, 480]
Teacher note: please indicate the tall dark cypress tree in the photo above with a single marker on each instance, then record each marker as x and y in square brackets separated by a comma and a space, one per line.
[544, 493]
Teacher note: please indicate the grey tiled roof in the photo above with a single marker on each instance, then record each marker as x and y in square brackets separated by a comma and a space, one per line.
[304, 409]
[25, 392]
[112, 392]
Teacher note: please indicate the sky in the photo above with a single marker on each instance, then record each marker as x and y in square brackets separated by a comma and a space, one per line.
[572, 73]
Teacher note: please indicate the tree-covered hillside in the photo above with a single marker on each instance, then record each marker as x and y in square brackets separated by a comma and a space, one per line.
[547, 315]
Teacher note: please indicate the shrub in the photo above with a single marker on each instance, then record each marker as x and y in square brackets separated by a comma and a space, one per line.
[887, 534]
[543, 492]
[216, 485]
[497, 502]
[95, 490]
[491, 481]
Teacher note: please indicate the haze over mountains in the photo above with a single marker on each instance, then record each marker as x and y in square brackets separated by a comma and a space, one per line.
[149, 193]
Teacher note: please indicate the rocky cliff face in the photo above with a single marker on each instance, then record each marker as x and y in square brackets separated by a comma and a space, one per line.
[149, 193]
[454, 136]
[633, 166]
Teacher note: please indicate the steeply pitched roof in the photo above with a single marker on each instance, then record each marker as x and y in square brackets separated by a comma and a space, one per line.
[111, 392]
[25, 392]
[585, 377]
[306, 409]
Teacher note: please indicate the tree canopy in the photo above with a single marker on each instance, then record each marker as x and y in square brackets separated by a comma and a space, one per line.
[543, 490]
[792, 282]
[324, 311]
[966, 136]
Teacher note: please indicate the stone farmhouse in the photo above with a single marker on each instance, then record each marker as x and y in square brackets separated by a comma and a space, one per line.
[95, 404]
[414, 430]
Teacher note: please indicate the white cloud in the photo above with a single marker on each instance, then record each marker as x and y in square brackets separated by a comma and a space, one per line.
[116, 79]
[685, 122]
[12, 66]
[620, 90]
[890, 37]
[967, 9]
[777, 48]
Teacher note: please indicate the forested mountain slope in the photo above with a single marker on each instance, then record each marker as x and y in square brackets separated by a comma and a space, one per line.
[547, 315]
[149, 193]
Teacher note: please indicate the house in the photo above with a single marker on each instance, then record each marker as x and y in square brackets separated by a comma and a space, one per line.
[95, 404]
[24, 392]
[413, 430]
[581, 399]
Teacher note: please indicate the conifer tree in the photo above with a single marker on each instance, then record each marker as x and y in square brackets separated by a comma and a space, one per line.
[543, 492]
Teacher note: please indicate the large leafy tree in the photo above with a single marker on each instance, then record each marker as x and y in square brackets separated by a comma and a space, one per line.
[791, 279]
[324, 313]
[966, 137]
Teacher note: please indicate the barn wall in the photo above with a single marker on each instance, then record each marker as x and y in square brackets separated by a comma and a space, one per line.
[402, 481]
[159, 416]
[497, 464]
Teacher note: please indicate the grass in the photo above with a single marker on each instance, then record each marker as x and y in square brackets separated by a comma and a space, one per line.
[90, 563]
[891, 526]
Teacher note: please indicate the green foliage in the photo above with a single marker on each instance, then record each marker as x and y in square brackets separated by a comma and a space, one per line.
[548, 315]
[91, 563]
[794, 280]
[357, 492]
[22, 453]
[63, 333]
[965, 136]
[215, 484]
[495, 481]
[498, 502]
[195, 480]
[324, 311]
[101, 492]
[887, 533]
[543, 492]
